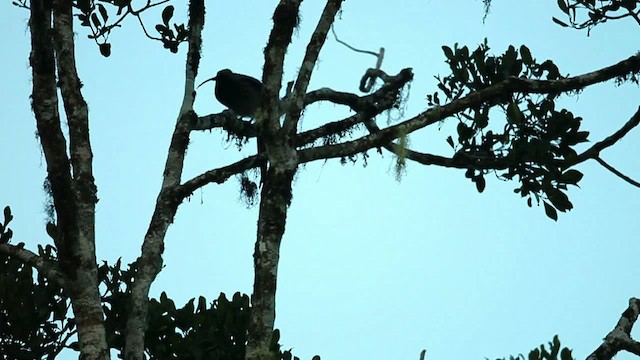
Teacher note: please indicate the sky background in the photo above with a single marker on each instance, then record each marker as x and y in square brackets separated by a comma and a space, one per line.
[371, 268]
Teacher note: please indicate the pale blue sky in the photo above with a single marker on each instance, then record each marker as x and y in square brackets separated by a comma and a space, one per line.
[370, 268]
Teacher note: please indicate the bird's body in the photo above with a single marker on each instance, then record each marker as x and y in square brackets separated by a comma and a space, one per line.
[241, 94]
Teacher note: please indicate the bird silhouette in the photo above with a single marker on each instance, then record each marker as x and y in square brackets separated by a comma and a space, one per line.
[241, 94]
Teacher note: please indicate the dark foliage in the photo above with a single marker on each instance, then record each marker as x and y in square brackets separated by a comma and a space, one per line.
[586, 14]
[553, 353]
[534, 146]
[33, 311]
[36, 321]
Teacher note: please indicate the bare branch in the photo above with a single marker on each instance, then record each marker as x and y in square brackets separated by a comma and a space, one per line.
[319, 36]
[422, 354]
[149, 263]
[217, 176]
[620, 337]
[351, 100]
[48, 268]
[616, 172]
[285, 19]
[594, 151]
[328, 129]
[351, 47]
[364, 87]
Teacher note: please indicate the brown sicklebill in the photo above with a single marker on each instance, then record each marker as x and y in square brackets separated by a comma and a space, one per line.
[241, 94]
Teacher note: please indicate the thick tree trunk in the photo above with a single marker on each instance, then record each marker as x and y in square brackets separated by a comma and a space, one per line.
[274, 202]
[83, 274]
[74, 195]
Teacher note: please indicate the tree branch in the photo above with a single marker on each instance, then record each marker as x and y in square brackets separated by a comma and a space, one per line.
[48, 268]
[77, 248]
[149, 263]
[285, 19]
[616, 172]
[228, 122]
[502, 163]
[319, 36]
[620, 337]
[218, 176]
[328, 129]
[276, 189]
[45, 108]
[594, 151]
[491, 93]
[367, 106]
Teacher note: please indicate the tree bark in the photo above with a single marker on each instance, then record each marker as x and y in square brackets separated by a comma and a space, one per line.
[83, 276]
[149, 264]
[274, 202]
[276, 190]
[74, 194]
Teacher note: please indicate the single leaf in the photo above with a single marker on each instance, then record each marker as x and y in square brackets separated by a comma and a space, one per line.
[514, 115]
[103, 12]
[550, 211]
[559, 22]
[559, 199]
[563, 6]
[7, 214]
[571, 177]
[167, 14]
[480, 183]
[526, 55]
[450, 141]
[448, 52]
[161, 29]
[95, 20]
[105, 49]
[565, 354]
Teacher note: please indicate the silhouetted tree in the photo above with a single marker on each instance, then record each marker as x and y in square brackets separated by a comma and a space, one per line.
[536, 148]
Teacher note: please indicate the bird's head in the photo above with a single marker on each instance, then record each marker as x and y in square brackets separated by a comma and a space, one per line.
[222, 74]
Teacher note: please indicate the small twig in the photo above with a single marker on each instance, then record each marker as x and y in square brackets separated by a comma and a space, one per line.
[144, 29]
[296, 101]
[21, 4]
[351, 47]
[422, 354]
[148, 6]
[595, 150]
[616, 172]
[379, 55]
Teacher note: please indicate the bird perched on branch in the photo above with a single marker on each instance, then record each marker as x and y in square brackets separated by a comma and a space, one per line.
[241, 94]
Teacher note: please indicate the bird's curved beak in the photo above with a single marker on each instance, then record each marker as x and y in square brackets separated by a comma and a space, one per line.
[212, 79]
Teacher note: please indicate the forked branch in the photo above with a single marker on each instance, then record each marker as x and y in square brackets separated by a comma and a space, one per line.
[620, 337]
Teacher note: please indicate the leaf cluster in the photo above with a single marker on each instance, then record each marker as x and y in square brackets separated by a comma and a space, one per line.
[5, 233]
[586, 14]
[98, 16]
[553, 353]
[35, 321]
[33, 311]
[170, 39]
[534, 144]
